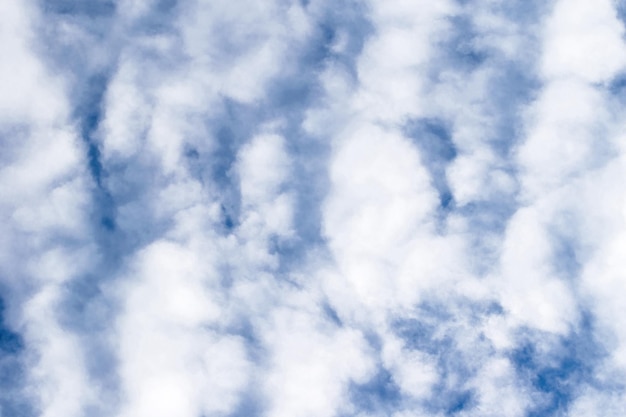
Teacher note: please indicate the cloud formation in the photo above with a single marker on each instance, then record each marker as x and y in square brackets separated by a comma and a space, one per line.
[312, 208]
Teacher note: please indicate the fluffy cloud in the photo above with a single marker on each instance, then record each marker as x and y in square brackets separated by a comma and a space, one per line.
[215, 208]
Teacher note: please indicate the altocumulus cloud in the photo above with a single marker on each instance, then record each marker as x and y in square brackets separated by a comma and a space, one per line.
[312, 208]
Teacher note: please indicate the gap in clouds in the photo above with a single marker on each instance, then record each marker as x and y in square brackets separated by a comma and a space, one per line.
[90, 116]
[12, 368]
[78, 38]
[79, 8]
[160, 20]
[555, 368]
[460, 49]
[337, 39]
[379, 396]
[434, 140]
[230, 129]
[470, 63]
[618, 87]
[79, 41]
[436, 330]
[568, 256]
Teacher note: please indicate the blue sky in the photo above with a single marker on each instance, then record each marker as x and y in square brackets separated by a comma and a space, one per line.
[312, 208]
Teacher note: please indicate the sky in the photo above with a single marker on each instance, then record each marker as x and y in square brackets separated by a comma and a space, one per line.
[312, 208]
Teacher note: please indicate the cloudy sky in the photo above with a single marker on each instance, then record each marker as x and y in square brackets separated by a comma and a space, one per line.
[312, 208]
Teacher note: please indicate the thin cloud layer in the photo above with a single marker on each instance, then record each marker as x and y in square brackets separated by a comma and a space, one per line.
[312, 208]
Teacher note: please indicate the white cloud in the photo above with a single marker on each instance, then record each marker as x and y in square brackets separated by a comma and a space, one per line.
[58, 373]
[46, 159]
[498, 390]
[45, 199]
[393, 63]
[312, 365]
[253, 48]
[583, 40]
[413, 371]
[225, 127]
[127, 113]
[531, 288]
[380, 200]
[264, 167]
[565, 134]
[169, 360]
[593, 403]
[29, 93]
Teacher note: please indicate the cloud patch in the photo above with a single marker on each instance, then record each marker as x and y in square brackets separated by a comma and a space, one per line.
[311, 208]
